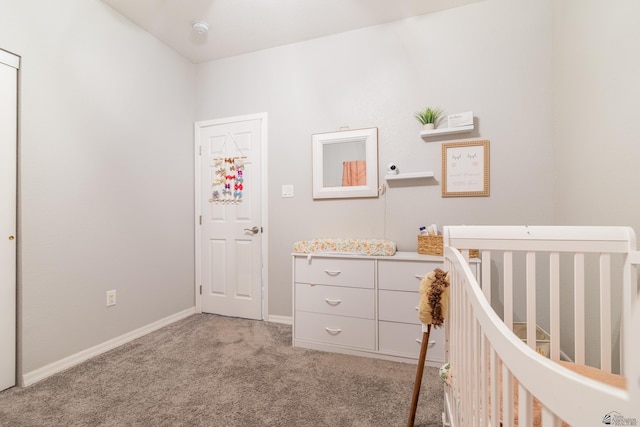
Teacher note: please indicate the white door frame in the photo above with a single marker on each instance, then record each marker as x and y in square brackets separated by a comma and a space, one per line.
[263, 205]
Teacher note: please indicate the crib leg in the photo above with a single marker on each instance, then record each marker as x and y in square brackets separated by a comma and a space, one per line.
[419, 371]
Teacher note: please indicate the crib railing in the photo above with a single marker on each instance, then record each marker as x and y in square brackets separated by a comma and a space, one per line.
[489, 363]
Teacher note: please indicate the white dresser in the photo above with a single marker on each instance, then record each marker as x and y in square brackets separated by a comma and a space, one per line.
[363, 305]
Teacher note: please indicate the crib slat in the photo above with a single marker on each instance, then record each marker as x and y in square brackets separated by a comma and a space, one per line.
[479, 346]
[554, 304]
[456, 343]
[549, 419]
[531, 299]
[525, 407]
[458, 360]
[507, 396]
[453, 340]
[484, 349]
[605, 312]
[470, 320]
[629, 295]
[495, 403]
[508, 288]
[486, 274]
[579, 308]
[473, 390]
[466, 361]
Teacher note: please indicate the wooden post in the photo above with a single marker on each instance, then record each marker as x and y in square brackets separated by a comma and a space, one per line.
[419, 372]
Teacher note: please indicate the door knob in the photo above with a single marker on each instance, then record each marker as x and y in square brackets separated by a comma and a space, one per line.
[11, 237]
[255, 229]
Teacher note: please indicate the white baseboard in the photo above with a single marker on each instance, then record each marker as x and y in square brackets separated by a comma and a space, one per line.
[69, 361]
[287, 320]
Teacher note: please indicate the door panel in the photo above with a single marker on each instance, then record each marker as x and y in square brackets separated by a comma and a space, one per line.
[8, 188]
[231, 253]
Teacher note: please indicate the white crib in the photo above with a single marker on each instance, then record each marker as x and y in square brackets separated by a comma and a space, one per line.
[579, 284]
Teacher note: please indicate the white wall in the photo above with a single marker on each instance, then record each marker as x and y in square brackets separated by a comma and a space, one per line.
[492, 57]
[106, 176]
[597, 131]
[597, 93]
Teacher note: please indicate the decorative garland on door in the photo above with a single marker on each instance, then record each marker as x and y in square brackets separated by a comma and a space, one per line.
[228, 183]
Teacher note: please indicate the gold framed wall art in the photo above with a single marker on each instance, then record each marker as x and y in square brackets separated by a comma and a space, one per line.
[465, 169]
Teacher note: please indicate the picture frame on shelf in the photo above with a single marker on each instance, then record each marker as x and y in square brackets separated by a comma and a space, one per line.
[465, 169]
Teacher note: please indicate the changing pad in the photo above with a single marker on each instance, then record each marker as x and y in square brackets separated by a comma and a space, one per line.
[379, 247]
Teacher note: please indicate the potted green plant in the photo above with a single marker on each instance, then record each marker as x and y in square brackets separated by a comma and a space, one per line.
[429, 117]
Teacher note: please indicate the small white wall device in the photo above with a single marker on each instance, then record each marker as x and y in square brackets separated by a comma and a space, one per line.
[392, 169]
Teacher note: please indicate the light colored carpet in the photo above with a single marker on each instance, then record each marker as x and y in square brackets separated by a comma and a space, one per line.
[209, 370]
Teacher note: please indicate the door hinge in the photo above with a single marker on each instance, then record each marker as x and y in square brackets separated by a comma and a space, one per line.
[200, 219]
[200, 289]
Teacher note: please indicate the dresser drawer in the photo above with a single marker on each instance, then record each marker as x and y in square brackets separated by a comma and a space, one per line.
[338, 330]
[397, 306]
[404, 339]
[337, 300]
[357, 273]
[403, 275]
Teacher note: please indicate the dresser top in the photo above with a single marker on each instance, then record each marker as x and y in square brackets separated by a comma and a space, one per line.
[398, 256]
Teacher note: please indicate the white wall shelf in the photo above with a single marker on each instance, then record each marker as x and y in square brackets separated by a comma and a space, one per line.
[446, 131]
[412, 175]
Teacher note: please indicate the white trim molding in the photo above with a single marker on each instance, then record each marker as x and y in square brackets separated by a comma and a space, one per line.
[285, 320]
[9, 59]
[53, 368]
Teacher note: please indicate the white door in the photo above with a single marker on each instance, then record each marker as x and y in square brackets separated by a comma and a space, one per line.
[229, 233]
[8, 159]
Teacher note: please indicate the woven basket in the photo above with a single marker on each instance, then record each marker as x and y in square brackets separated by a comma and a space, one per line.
[432, 245]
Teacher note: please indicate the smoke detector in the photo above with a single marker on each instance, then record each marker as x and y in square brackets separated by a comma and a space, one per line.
[200, 27]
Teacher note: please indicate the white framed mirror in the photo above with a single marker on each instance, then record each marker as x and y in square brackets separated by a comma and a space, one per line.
[345, 164]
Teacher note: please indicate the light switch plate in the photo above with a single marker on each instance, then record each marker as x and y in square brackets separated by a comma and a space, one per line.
[287, 190]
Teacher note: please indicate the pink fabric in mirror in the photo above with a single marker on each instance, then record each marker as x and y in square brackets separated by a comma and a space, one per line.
[354, 173]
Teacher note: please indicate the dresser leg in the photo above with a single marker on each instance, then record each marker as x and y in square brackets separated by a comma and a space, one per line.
[419, 371]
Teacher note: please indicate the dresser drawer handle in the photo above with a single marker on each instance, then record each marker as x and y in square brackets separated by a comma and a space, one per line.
[431, 343]
[417, 276]
[333, 302]
[332, 273]
[417, 309]
[333, 331]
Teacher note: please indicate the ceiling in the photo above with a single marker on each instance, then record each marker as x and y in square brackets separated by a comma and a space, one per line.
[242, 26]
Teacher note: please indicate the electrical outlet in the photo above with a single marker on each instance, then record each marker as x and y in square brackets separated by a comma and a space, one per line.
[111, 298]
